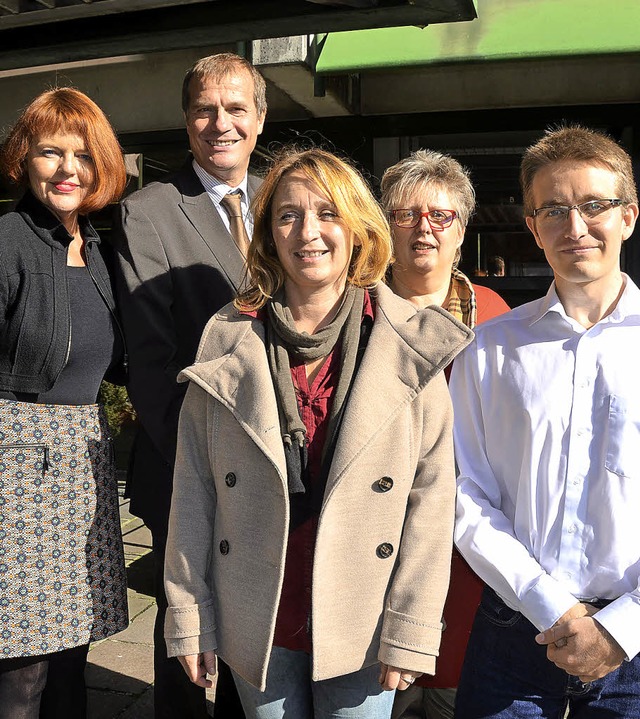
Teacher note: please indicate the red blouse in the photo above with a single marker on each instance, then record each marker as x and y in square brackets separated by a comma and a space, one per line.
[293, 622]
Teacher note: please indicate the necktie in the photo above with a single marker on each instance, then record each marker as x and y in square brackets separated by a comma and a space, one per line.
[231, 204]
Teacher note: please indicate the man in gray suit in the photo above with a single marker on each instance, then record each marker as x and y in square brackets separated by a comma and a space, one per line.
[180, 259]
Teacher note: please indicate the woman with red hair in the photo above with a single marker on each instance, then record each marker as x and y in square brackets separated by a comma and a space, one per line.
[62, 579]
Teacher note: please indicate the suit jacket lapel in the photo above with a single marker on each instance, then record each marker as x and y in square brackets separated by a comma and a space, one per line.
[253, 183]
[204, 217]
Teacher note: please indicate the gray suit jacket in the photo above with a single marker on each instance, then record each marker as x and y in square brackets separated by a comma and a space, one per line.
[177, 266]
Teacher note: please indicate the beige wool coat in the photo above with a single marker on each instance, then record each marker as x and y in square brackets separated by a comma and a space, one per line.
[384, 538]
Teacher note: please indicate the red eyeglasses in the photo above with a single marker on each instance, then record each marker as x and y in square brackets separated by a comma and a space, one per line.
[437, 219]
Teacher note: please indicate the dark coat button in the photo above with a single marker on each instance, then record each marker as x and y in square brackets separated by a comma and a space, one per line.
[385, 550]
[224, 547]
[385, 484]
[230, 479]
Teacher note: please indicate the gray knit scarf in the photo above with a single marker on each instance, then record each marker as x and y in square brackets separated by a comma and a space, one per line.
[282, 338]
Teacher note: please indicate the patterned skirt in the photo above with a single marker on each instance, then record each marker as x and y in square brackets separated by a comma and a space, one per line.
[62, 575]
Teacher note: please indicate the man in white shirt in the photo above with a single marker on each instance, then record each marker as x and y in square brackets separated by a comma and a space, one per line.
[180, 259]
[547, 431]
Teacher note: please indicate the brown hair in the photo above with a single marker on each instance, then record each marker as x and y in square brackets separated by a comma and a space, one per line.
[66, 110]
[217, 67]
[578, 144]
[359, 212]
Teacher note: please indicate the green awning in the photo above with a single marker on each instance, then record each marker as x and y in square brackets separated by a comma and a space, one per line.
[504, 30]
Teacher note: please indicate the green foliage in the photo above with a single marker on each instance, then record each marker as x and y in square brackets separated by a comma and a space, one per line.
[117, 404]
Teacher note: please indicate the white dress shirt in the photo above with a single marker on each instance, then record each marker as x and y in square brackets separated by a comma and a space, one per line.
[217, 190]
[547, 439]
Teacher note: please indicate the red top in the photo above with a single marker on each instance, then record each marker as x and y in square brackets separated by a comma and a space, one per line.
[293, 623]
[489, 304]
[465, 588]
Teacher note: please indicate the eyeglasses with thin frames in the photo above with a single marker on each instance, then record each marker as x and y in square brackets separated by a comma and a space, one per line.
[437, 219]
[592, 212]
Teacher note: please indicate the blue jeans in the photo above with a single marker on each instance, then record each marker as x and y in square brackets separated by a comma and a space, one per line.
[291, 694]
[507, 675]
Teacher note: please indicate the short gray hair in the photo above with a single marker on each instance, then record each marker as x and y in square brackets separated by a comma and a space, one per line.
[424, 170]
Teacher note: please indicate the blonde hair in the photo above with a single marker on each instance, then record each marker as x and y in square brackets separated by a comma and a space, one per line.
[357, 209]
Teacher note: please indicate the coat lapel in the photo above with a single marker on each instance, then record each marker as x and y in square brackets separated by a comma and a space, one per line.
[406, 350]
[239, 378]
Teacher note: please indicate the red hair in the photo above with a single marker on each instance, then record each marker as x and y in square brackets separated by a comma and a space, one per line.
[66, 110]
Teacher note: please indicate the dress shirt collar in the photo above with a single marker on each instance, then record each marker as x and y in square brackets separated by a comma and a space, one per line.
[217, 189]
[628, 303]
[629, 299]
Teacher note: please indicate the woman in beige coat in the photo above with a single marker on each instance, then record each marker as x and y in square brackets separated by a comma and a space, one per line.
[312, 515]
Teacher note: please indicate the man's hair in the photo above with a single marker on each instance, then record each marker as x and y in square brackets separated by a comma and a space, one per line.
[68, 111]
[359, 213]
[577, 144]
[216, 68]
[496, 265]
[426, 171]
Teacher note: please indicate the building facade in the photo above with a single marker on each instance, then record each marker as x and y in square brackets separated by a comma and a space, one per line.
[480, 90]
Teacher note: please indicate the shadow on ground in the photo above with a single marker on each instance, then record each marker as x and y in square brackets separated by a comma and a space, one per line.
[112, 694]
[140, 575]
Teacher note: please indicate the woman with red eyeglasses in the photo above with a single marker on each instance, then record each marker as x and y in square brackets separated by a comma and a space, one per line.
[429, 198]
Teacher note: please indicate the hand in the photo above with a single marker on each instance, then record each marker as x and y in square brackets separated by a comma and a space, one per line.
[394, 678]
[197, 666]
[579, 609]
[581, 646]
[575, 612]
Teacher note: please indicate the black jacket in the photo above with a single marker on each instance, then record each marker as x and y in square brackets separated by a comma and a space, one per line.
[35, 333]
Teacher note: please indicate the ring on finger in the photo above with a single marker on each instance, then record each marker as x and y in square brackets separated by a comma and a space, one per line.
[408, 680]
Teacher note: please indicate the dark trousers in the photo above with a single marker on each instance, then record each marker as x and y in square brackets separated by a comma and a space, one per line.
[50, 686]
[174, 695]
[506, 675]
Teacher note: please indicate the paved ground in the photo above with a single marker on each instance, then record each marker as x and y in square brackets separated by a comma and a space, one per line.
[120, 669]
